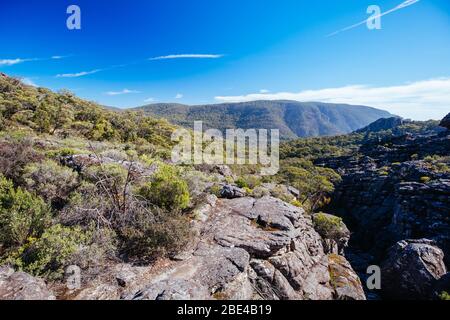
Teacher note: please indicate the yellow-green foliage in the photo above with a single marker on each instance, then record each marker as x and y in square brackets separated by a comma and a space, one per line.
[425, 179]
[314, 183]
[444, 296]
[328, 226]
[22, 214]
[52, 252]
[166, 190]
[248, 181]
[47, 112]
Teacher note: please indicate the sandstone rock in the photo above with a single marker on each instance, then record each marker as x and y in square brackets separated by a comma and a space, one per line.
[22, 286]
[98, 291]
[344, 280]
[125, 275]
[173, 289]
[223, 170]
[412, 269]
[251, 249]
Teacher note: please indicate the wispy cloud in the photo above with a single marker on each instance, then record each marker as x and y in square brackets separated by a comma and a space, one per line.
[59, 57]
[179, 96]
[149, 100]
[403, 5]
[421, 100]
[264, 91]
[11, 62]
[78, 74]
[124, 91]
[188, 56]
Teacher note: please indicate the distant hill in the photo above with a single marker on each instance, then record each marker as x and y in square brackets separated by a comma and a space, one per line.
[293, 119]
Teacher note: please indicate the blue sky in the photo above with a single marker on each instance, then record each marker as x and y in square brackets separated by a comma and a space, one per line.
[234, 51]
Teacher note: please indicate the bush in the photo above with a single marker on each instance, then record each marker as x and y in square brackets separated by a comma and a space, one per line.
[15, 154]
[150, 235]
[22, 215]
[444, 296]
[48, 255]
[329, 226]
[425, 179]
[166, 190]
[248, 181]
[50, 180]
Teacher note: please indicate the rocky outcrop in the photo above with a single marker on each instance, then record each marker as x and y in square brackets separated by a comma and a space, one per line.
[231, 192]
[446, 122]
[412, 269]
[395, 189]
[383, 201]
[80, 162]
[382, 124]
[255, 249]
[22, 286]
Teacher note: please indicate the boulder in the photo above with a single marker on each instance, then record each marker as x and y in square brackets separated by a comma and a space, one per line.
[231, 192]
[22, 286]
[344, 280]
[412, 269]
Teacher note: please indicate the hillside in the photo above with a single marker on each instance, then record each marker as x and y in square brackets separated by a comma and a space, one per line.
[81, 185]
[293, 119]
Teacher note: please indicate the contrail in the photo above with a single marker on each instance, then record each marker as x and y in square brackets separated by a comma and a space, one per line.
[405, 4]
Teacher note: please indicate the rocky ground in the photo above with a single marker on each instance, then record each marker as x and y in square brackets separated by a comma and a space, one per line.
[264, 248]
[245, 249]
[398, 212]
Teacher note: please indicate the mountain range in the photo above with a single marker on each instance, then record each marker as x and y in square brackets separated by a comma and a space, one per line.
[293, 119]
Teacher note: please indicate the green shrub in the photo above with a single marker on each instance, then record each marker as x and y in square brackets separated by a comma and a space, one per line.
[241, 183]
[22, 214]
[48, 255]
[444, 296]
[166, 190]
[425, 179]
[215, 190]
[329, 226]
[248, 181]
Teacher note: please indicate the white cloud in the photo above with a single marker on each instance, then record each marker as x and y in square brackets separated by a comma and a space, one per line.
[178, 96]
[402, 5]
[149, 100]
[421, 100]
[79, 74]
[10, 62]
[124, 91]
[188, 56]
[264, 91]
